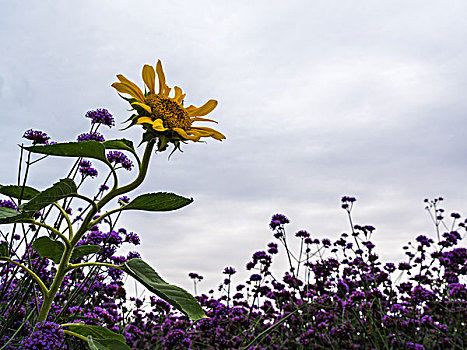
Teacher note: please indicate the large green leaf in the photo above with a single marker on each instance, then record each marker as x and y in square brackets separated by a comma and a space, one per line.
[4, 250]
[175, 296]
[160, 201]
[83, 250]
[87, 149]
[96, 332]
[120, 144]
[106, 344]
[15, 191]
[10, 216]
[62, 189]
[48, 248]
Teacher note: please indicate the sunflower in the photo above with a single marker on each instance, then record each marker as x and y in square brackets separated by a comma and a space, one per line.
[164, 116]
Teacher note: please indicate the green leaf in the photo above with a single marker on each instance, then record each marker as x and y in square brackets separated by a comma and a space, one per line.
[121, 144]
[15, 191]
[83, 250]
[87, 149]
[62, 189]
[10, 216]
[97, 333]
[106, 344]
[4, 250]
[175, 296]
[160, 201]
[48, 248]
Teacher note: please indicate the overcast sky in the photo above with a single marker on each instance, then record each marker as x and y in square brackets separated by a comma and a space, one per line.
[318, 99]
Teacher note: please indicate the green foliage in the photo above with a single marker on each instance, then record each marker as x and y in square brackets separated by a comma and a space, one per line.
[86, 149]
[83, 250]
[176, 296]
[10, 216]
[4, 250]
[121, 144]
[62, 189]
[160, 201]
[99, 337]
[106, 344]
[48, 248]
[15, 191]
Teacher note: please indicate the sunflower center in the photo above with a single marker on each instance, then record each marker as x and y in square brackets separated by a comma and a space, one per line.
[173, 115]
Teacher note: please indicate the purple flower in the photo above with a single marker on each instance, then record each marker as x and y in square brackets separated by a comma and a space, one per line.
[103, 188]
[132, 238]
[229, 271]
[37, 137]
[255, 277]
[49, 335]
[88, 171]
[302, 234]
[123, 200]
[101, 116]
[118, 157]
[272, 248]
[277, 220]
[91, 136]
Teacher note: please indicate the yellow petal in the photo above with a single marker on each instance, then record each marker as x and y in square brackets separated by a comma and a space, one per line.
[124, 88]
[179, 96]
[132, 86]
[158, 125]
[144, 120]
[197, 119]
[203, 110]
[183, 134]
[161, 75]
[145, 106]
[205, 131]
[149, 77]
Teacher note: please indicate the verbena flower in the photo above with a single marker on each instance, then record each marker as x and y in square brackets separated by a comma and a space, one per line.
[91, 136]
[49, 335]
[163, 115]
[118, 157]
[101, 116]
[37, 137]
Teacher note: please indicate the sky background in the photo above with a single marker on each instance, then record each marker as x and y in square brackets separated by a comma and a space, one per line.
[318, 99]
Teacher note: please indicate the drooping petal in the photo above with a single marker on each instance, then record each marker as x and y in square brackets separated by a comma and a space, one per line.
[124, 88]
[149, 77]
[203, 110]
[145, 106]
[197, 119]
[132, 86]
[143, 120]
[158, 125]
[184, 134]
[209, 132]
[161, 75]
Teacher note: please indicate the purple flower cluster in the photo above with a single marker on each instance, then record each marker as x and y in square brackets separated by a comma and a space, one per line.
[118, 157]
[86, 169]
[101, 116]
[90, 136]
[37, 137]
[349, 300]
[335, 294]
[48, 336]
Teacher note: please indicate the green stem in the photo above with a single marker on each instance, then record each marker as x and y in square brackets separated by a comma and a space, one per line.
[64, 265]
[57, 232]
[30, 272]
[77, 266]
